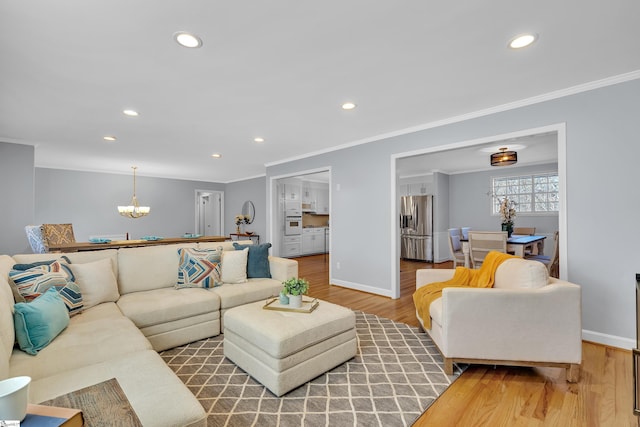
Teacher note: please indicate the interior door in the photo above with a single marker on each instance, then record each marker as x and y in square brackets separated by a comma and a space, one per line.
[209, 208]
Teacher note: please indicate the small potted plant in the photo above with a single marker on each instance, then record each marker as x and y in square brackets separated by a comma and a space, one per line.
[294, 289]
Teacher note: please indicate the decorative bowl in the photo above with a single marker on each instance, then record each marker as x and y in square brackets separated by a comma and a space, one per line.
[248, 233]
[14, 396]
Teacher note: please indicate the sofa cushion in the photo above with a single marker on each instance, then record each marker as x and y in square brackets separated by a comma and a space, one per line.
[37, 323]
[96, 281]
[34, 281]
[74, 257]
[97, 334]
[232, 295]
[199, 268]
[147, 268]
[155, 393]
[521, 273]
[257, 261]
[234, 266]
[168, 304]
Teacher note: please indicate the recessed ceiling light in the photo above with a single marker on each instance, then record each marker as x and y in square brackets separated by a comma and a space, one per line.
[132, 113]
[187, 39]
[109, 138]
[348, 106]
[523, 40]
[216, 155]
[258, 139]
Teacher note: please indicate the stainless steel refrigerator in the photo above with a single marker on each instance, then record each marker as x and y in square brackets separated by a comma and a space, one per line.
[416, 226]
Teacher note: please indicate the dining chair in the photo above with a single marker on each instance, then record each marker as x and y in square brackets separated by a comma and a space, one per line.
[524, 231]
[55, 234]
[36, 239]
[455, 246]
[465, 232]
[483, 242]
[552, 262]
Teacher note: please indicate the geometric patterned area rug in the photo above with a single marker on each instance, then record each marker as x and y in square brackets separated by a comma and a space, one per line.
[395, 376]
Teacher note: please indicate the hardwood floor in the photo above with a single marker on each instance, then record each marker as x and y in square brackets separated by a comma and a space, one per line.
[501, 396]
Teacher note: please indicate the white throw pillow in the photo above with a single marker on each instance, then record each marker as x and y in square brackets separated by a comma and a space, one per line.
[97, 282]
[234, 266]
[518, 273]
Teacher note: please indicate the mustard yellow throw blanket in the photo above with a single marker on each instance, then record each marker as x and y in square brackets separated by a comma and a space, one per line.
[463, 277]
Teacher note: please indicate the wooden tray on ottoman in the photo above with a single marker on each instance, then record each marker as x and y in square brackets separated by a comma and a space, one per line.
[308, 305]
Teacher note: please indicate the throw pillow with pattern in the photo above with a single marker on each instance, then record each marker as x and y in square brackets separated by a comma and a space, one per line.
[198, 268]
[34, 281]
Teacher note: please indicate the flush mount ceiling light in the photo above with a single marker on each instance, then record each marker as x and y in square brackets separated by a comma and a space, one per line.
[348, 106]
[504, 157]
[523, 40]
[130, 113]
[187, 39]
[134, 210]
[258, 139]
[216, 155]
[109, 138]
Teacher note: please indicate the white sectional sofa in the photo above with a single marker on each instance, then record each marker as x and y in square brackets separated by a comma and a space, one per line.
[526, 319]
[120, 338]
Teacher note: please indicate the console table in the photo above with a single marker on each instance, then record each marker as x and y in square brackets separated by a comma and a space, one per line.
[244, 236]
[116, 244]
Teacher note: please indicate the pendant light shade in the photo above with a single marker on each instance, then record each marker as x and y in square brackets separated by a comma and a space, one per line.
[134, 210]
[504, 157]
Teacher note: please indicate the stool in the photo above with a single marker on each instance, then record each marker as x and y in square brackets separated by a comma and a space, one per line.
[283, 350]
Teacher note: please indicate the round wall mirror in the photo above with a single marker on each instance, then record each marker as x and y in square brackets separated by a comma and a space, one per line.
[248, 210]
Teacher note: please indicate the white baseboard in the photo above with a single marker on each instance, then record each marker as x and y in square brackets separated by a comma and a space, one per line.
[610, 340]
[361, 287]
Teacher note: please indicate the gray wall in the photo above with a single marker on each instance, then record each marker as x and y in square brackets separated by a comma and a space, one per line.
[602, 203]
[16, 196]
[471, 207]
[235, 196]
[89, 201]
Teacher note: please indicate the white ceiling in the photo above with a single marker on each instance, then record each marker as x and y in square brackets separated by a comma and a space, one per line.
[531, 150]
[279, 70]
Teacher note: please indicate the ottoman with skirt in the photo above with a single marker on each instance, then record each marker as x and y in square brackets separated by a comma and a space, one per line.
[283, 350]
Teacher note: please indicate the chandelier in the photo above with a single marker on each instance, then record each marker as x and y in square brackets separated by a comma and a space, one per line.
[134, 210]
[504, 157]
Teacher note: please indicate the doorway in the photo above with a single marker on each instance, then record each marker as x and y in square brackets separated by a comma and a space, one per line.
[209, 212]
[438, 162]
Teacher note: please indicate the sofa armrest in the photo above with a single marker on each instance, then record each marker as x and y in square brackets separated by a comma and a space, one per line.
[543, 324]
[283, 268]
[430, 275]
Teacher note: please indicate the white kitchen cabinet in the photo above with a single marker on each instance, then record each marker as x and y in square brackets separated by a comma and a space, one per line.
[292, 246]
[313, 241]
[322, 200]
[292, 192]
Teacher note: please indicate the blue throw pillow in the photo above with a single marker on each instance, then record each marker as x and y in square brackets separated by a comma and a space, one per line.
[37, 323]
[258, 260]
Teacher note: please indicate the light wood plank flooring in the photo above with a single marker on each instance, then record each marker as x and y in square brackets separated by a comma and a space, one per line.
[501, 396]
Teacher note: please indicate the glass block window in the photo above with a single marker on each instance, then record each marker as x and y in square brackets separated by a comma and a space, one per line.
[537, 193]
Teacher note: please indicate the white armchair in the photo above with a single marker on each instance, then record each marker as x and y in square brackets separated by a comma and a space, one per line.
[526, 319]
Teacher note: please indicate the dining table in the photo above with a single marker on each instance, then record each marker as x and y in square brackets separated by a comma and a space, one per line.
[517, 245]
[116, 244]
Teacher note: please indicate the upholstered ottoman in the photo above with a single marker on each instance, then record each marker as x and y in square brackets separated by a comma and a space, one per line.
[283, 350]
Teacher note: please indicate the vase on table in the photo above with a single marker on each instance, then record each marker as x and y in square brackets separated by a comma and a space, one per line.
[238, 229]
[508, 227]
[295, 301]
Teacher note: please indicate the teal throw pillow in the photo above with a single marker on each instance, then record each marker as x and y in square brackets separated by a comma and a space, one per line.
[258, 261]
[37, 323]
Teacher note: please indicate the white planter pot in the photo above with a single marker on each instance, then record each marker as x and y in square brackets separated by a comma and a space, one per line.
[295, 301]
[14, 394]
